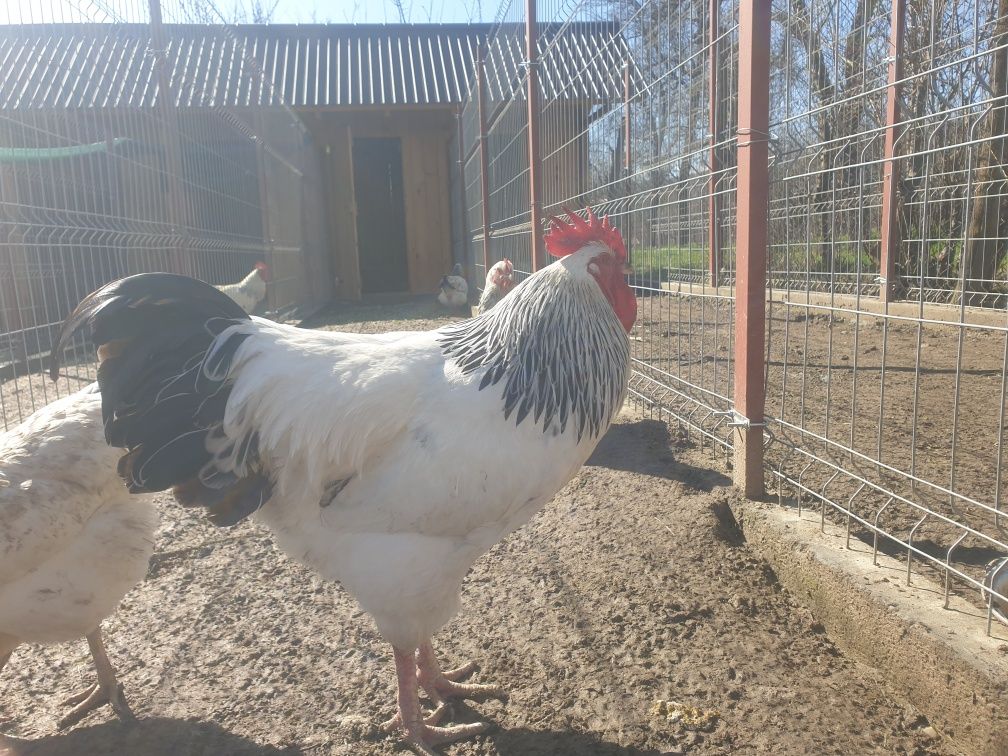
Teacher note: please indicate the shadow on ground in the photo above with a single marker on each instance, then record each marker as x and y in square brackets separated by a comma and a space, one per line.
[150, 737]
[645, 446]
[524, 742]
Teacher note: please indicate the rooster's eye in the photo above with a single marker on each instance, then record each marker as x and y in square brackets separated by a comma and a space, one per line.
[593, 269]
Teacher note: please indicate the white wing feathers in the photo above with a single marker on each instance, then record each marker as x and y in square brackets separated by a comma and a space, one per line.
[324, 403]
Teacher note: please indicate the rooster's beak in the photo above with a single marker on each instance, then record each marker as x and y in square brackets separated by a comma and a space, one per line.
[627, 269]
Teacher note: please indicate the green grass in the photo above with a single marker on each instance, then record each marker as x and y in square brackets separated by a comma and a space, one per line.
[656, 261]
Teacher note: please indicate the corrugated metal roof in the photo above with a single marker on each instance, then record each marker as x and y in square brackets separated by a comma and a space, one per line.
[113, 66]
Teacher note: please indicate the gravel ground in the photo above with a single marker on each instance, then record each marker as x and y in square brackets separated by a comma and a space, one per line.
[628, 618]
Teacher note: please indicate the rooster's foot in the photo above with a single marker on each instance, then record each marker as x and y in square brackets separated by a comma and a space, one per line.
[441, 685]
[422, 736]
[423, 733]
[433, 719]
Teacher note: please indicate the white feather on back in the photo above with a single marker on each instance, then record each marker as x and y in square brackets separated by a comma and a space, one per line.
[72, 540]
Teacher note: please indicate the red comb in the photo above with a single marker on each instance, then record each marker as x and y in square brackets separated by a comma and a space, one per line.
[565, 237]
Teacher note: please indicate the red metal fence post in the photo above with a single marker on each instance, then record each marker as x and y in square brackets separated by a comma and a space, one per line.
[627, 132]
[484, 160]
[751, 242]
[178, 216]
[627, 221]
[890, 233]
[713, 214]
[534, 156]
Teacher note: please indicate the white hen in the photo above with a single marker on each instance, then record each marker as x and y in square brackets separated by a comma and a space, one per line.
[454, 291]
[251, 290]
[72, 539]
[499, 281]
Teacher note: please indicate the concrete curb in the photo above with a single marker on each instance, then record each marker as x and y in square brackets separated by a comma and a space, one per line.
[940, 660]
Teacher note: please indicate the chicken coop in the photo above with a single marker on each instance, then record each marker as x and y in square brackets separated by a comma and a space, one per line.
[330, 150]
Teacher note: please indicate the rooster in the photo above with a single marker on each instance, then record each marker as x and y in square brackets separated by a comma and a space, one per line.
[348, 446]
[453, 291]
[72, 539]
[251, 290]
[499, 281]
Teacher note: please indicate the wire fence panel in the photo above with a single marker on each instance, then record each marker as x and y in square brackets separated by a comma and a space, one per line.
[888, 416]
[506, 137]
[132, 143]
[886, 359]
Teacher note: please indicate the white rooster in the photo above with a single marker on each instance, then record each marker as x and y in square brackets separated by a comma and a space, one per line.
[72, 539]
[499, 281]
[356, 449]
[251, 290]
[453, 291]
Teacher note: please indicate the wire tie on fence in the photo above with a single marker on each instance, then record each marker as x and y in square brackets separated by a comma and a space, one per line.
[738, 420]
[767, 137]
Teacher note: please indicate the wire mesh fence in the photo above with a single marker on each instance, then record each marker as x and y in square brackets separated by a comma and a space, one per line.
[886, 339]
[131, 142]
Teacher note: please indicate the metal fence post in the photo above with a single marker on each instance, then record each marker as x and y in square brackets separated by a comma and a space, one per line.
[751, 242]
[713, 214]
[890, 232]
[484, 159]
[627, 221]
[627, 124]
[534, 156]
[463, 226]
[262, 167]
[177, 212]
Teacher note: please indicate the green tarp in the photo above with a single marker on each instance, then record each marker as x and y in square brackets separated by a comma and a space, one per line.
[41, 154]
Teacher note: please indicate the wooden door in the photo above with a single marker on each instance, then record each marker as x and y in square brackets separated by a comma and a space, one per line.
[381, 215]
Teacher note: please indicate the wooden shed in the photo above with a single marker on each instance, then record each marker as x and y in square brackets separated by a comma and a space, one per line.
[382, 104]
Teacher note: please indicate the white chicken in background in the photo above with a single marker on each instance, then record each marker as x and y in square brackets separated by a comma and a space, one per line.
[499, 281]
[251, 290]
[454, 291]
[358, 450]
[72, 540]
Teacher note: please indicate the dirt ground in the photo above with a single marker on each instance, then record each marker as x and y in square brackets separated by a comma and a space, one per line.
[859, 384]
[631, 596]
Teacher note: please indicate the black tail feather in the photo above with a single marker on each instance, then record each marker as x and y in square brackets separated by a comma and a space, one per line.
[165, 380]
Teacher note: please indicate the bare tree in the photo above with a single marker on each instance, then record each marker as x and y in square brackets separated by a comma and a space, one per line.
[255, 12]
[990, 210]
[241, 12]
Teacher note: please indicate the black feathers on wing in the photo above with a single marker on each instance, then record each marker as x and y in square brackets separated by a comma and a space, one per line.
[164, 390]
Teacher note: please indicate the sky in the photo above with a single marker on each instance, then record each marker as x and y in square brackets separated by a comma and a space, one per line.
[383, 11]
[286, 11]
